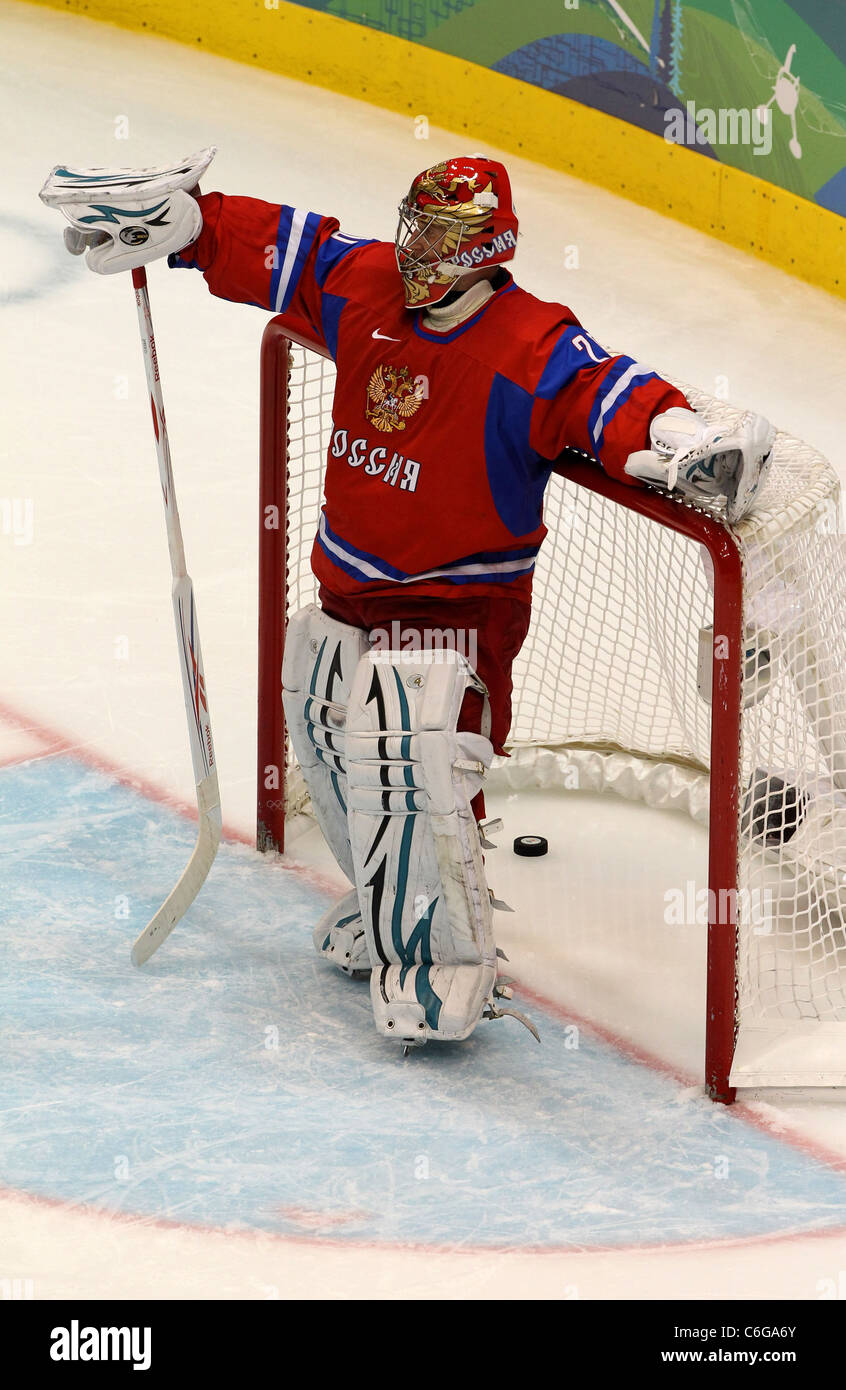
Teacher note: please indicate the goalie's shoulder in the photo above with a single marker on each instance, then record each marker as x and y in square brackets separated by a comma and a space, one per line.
[524, 332]
[358, 265]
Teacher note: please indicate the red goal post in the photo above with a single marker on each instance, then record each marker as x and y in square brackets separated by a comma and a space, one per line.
[668, 730]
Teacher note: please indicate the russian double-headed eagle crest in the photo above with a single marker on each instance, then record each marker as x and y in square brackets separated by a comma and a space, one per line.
[392, 398]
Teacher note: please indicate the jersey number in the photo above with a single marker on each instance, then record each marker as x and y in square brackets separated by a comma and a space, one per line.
[583, 343]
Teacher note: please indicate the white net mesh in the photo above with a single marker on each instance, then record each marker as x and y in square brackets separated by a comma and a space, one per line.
[612, 683]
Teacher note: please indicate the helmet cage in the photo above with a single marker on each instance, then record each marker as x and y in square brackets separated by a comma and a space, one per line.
[422, 256]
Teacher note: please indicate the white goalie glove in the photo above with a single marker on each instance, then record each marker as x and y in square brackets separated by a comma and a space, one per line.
[125, 218]
[700, 460]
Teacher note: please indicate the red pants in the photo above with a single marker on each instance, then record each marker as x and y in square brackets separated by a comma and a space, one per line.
[490, 629]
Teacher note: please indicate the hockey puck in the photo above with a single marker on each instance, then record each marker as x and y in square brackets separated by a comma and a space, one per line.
[530, 845]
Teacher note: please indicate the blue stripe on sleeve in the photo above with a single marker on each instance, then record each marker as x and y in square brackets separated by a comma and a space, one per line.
[565, 361]
[333, 251]
[282, 232]
[622, 381]
[604, 389]
[295, 236]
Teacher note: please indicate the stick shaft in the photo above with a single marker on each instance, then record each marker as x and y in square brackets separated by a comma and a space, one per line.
[190, 663]
[154, 386]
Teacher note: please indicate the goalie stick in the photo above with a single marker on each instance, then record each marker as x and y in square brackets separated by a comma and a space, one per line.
[191, 662]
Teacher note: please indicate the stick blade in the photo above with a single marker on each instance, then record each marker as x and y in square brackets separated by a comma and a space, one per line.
[177, 903]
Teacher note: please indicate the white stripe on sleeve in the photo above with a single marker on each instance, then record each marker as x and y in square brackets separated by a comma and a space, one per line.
[295, 236]
[635, 370]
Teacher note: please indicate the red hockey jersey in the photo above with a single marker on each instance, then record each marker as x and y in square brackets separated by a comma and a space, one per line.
[442, 442]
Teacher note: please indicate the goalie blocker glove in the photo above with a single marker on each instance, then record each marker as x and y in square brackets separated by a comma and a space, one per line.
[700, 460]
[125, 218]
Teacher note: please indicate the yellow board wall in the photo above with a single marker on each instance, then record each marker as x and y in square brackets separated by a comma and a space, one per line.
[788, 231]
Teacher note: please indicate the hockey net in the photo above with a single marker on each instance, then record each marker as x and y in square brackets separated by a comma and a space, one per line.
[672, 659]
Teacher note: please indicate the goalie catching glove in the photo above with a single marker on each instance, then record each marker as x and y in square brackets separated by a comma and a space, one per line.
[124, 218]
[700, 460]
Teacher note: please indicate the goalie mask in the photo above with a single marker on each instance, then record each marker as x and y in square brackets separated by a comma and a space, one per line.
[457, 217]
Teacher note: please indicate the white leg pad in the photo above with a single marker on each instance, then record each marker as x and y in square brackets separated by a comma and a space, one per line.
[415, 843]
[321, 658]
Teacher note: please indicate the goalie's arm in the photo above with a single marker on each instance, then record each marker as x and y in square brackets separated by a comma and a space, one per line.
[599, 403]
[642, 429]
[267, 254]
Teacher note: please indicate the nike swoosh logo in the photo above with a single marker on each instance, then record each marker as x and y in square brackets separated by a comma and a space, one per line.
[386, 336]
